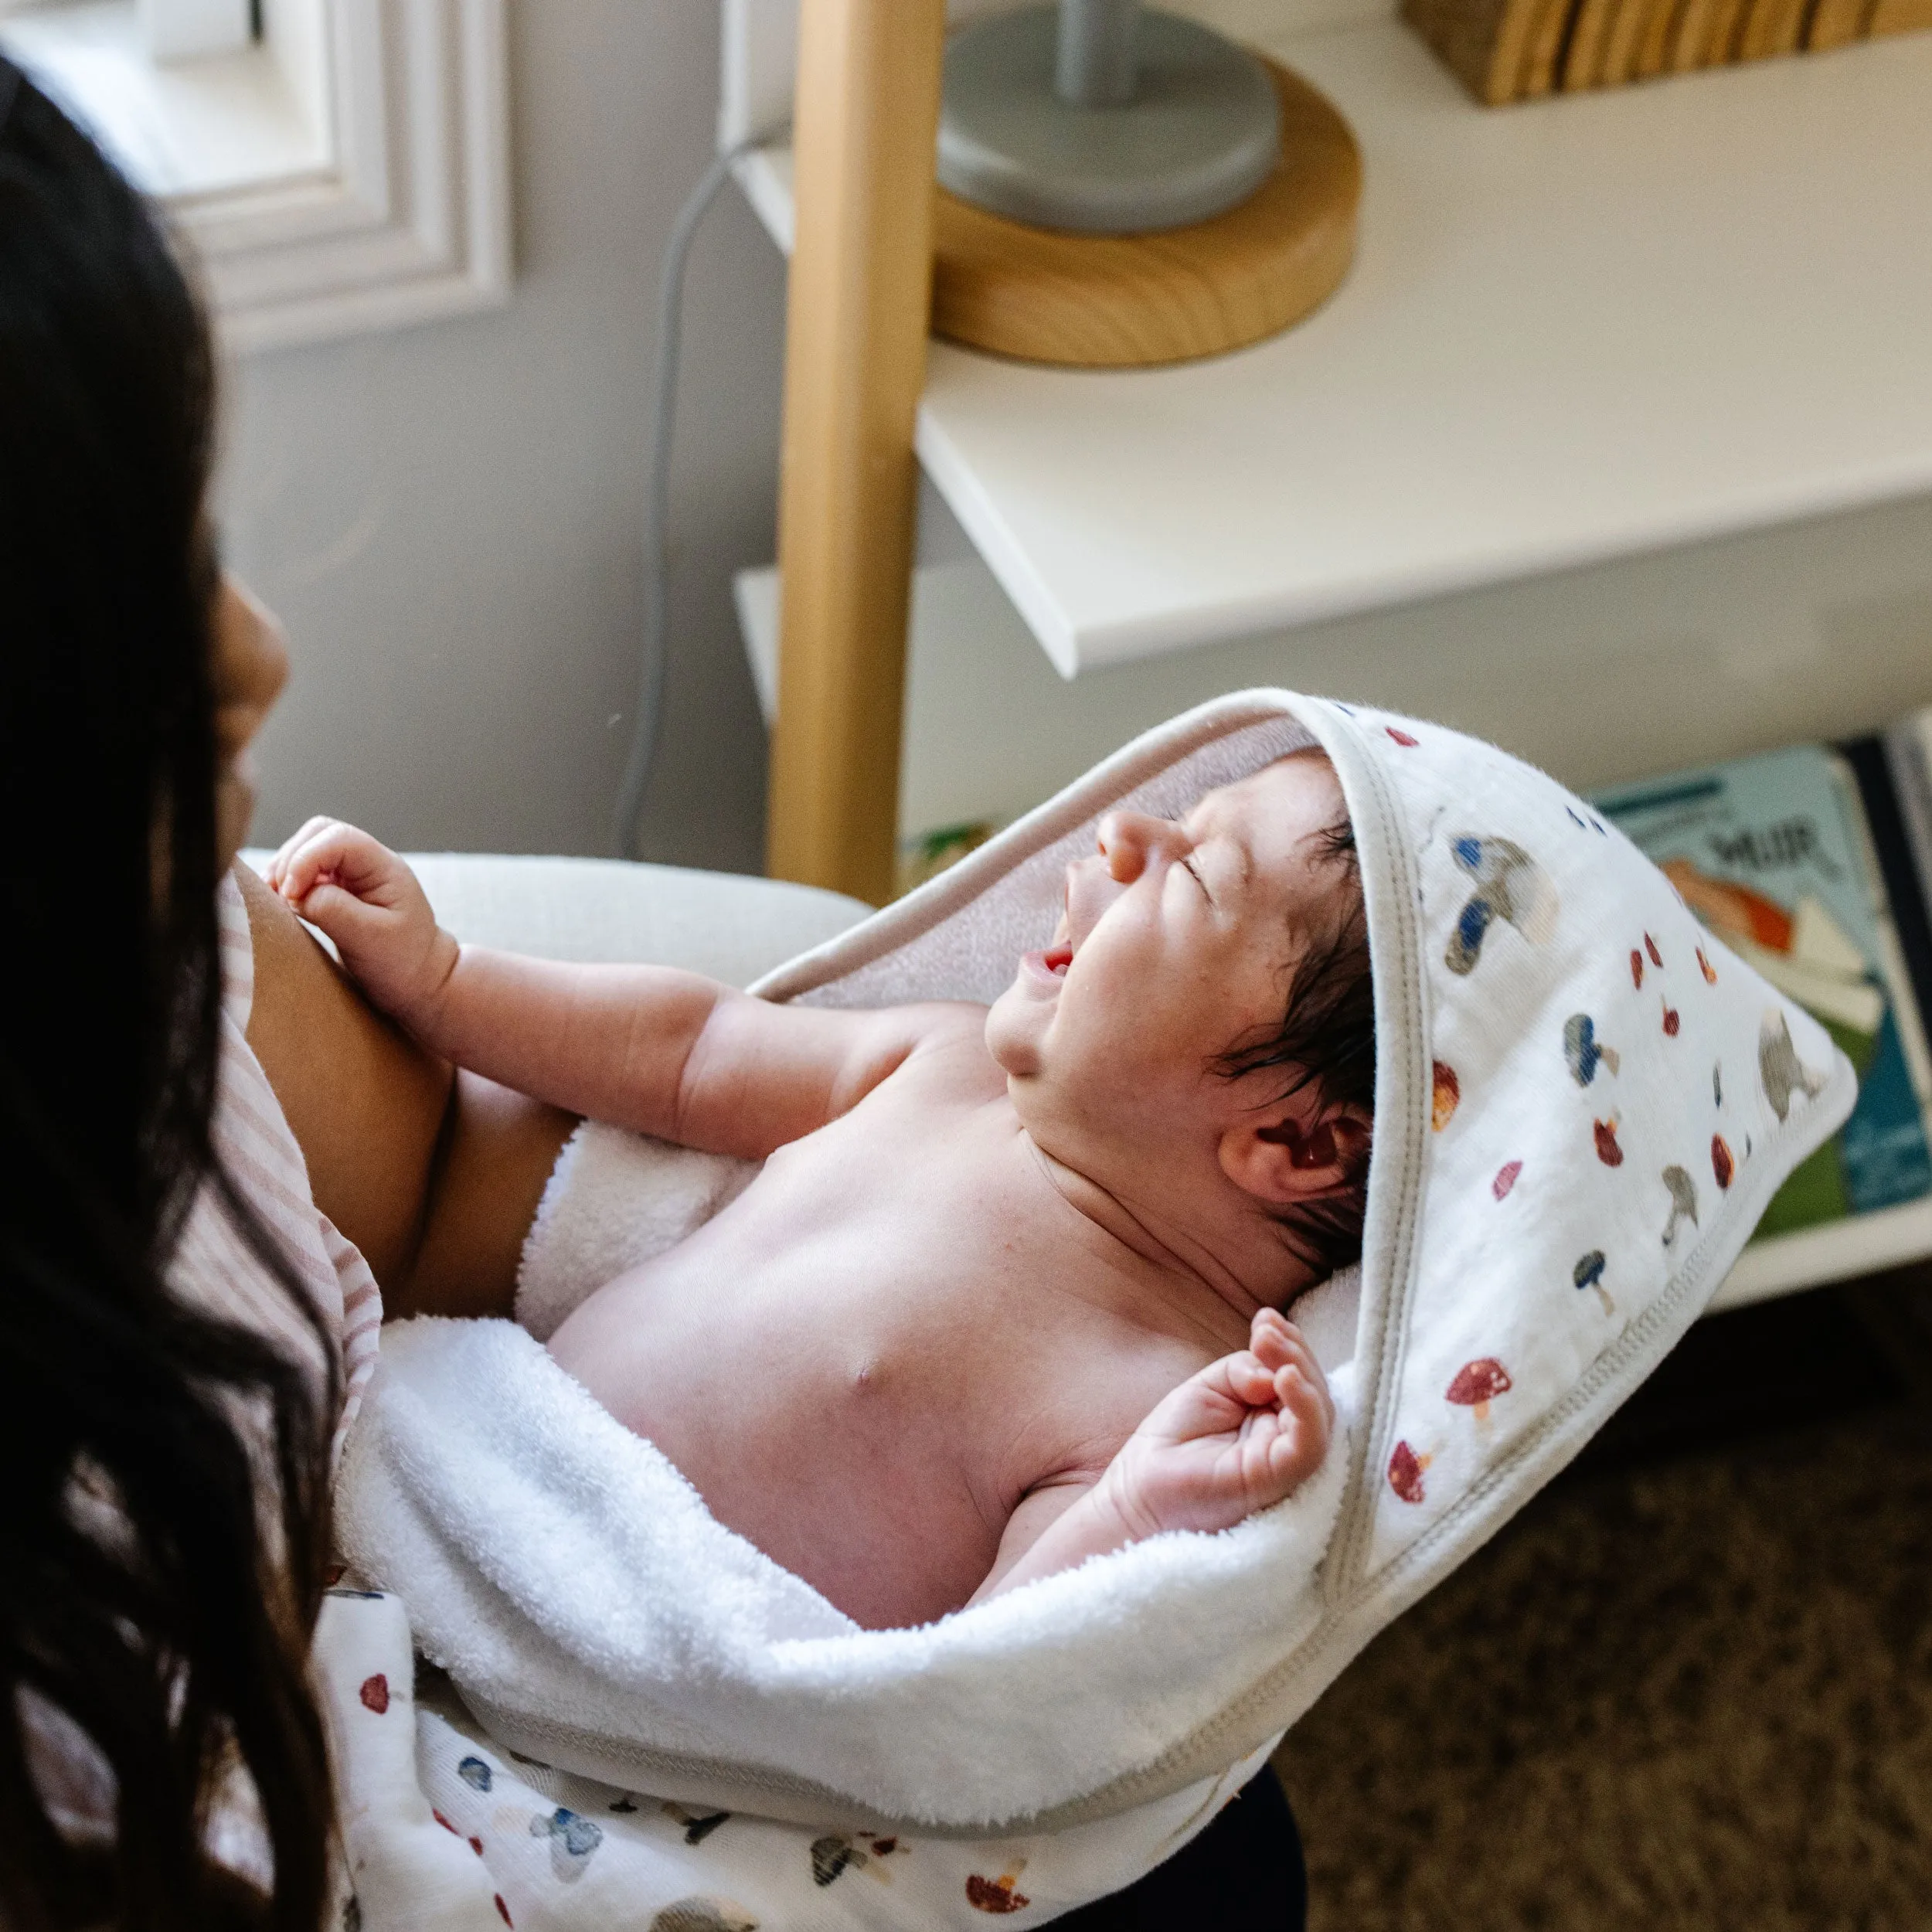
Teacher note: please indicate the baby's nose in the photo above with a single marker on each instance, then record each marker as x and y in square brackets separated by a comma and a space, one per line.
[1129, 840]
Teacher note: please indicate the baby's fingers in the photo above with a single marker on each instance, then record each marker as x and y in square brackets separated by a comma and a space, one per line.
[339, 855]
[1279, 1344]
[1307, 1403]
[278, 866]
[1247, 1378]
[1275, 1338]
[313, 851]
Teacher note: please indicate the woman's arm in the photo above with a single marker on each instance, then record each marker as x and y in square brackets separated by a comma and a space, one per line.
[365, 1102]
[436, 1177]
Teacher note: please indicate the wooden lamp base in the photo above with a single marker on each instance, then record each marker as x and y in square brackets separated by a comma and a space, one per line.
[1127, 301]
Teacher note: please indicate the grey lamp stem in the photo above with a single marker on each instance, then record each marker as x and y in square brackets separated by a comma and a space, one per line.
[1097, 61]
[1104, 117]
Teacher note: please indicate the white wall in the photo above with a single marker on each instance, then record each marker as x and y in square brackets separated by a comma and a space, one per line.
[447, 517]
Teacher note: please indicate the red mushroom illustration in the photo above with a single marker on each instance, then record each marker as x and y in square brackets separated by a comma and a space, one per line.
[1650, 947]
[1722, 1165]
[1447, 1091]
[1478, 1384]
[998, 1895]
[1607, 1150]
[1505, 1178]
[1636, 967]
[1405, 1473]
[1672, 1019]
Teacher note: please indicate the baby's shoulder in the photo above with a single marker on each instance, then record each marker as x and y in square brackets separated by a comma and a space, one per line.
[1103, 1386]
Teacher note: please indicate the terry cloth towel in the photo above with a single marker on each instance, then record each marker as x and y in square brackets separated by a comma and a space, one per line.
[614, 1199]
[1583, 1103]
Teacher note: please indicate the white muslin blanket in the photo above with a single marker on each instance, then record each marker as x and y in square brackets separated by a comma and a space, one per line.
[1583, 1103]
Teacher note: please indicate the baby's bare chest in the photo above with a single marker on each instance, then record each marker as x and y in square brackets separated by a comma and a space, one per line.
[867, 1359]
[875, 1350]
[910, 1306]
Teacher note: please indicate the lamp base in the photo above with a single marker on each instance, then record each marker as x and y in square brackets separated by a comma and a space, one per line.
[1201, 134]
[1117, 301]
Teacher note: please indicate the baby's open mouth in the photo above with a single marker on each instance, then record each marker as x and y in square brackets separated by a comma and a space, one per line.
[1056, 959]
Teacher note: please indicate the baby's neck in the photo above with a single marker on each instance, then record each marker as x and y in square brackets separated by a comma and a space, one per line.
[1220, 1284]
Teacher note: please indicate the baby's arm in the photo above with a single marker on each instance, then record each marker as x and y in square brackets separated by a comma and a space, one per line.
[1245, 1432]
[666, 1052]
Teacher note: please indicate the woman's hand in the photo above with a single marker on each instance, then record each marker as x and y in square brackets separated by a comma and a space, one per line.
[364, 897]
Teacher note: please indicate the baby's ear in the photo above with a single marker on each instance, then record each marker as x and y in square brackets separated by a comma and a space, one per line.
[1296, 1150]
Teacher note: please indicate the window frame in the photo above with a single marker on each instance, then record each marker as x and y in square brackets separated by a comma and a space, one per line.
[407, 218]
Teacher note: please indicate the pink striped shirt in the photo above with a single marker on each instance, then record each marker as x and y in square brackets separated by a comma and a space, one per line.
[252, 1141]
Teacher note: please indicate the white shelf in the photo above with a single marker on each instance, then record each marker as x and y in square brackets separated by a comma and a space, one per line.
[1839, 1251]
[1576, 329]
[989, 730]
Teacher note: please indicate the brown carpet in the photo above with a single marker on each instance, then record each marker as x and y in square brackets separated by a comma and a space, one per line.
[1691, 1686]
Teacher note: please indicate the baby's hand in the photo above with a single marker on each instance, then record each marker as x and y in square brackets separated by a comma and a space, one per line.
[1242, 1433]
[369, 903]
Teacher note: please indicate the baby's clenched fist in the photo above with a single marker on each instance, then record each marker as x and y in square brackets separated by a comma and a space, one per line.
[1245, 1432]
[370, 904]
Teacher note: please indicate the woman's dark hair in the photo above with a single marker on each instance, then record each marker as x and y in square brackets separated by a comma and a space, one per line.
[1327, 1041]
[162, 1517]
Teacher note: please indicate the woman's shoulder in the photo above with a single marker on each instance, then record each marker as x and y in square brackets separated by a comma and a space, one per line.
[216, 1263]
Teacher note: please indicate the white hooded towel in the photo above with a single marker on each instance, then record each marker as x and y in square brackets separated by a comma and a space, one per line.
[1583, 1102]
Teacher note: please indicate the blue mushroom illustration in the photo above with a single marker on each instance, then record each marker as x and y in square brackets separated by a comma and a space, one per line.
[1589, 1273]
[1584, 1051]
[1509, 885]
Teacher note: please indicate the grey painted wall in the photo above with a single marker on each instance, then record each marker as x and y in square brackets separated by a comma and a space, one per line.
[447, 520]
[447, 517]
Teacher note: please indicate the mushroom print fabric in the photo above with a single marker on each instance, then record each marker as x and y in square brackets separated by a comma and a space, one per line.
[1585, 1012]
[447, 1831]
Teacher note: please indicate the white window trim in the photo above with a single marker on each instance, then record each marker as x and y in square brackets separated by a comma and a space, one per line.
[408, 220]
[412, 222]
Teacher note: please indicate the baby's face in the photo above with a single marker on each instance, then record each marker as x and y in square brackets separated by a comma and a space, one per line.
[1180, 940]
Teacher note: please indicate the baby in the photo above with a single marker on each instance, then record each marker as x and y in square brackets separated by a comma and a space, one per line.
[1007, 1292]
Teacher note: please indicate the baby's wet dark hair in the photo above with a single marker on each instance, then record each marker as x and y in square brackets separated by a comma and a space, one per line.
[1326, 1041]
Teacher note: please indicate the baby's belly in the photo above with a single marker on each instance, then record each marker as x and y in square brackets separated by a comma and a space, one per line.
[835, 1437]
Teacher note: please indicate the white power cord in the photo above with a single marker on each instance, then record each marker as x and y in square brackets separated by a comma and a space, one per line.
[657, 514]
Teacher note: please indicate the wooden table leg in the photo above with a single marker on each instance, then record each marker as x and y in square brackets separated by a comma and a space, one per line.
[864, 132]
